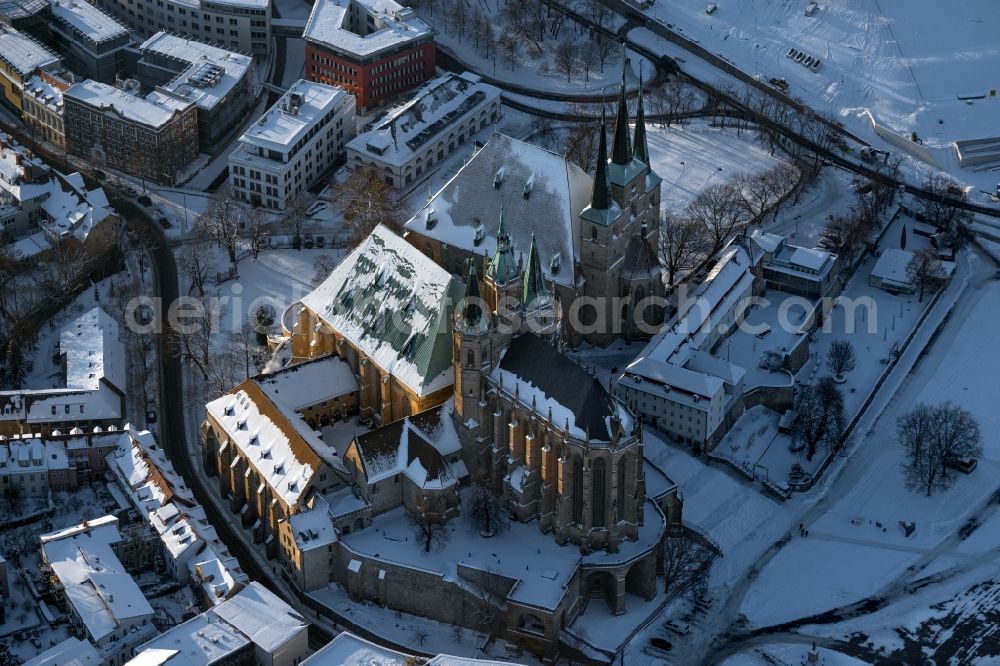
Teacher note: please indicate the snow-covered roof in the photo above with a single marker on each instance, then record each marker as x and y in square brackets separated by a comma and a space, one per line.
[88, 20]
[437, 108]
[209, 72]
[542, 193]
[267, 439]
[891, 266]
[346, 649]
[767, 241]
[154, 110]
[343, 25]
[393, 303]
[22, 53]
[71, 652]
[314, 528]
[95, 582]
[303, 105]
[558, 389]
[262, 616]
[695, 389]
[202, 640]
[296, 387]
[45, 91]
[416, 447]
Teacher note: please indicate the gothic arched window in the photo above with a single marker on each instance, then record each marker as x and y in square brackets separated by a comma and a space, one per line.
[577, 490]
[598, 489]
[621, 487]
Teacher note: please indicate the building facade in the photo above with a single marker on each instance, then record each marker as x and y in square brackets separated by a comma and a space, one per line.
[20, 57]
[375, 50]
[44, 109]
[95, 43]
[238, 25]
[154, 137]
[292, 145]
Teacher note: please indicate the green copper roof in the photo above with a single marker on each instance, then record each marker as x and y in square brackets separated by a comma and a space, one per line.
[621, 149]
[639, 146]
[503, 267]
[534, 281]
[601, 197]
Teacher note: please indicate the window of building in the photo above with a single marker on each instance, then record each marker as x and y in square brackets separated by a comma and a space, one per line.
[598, 486]
[578, 490]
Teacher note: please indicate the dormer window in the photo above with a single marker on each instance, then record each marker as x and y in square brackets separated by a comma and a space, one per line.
[429, 218]
[478, 237]
[527, 187]
[555, 263]
[498, 179]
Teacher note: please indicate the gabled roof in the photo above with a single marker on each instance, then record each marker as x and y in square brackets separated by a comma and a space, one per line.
[541, 191]
[539, 373]
[394, 304]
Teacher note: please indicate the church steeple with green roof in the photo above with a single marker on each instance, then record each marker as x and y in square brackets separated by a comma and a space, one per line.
[621, 149]
[534, 280]
[640, 148]
[503, 266]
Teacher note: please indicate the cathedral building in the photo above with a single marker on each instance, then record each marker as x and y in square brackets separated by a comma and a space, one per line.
[595, 237]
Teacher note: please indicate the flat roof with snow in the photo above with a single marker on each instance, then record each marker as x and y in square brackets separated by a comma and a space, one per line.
[260, 614]
[23, 53]
[281, 126]
[71, 652]
[336, 24]
[211, 72]
[204, 639]
[87, 20]
[155, 110]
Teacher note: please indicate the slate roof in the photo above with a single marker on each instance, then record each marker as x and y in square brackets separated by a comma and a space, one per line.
[640, 260]
[535, 362]
[542, 192]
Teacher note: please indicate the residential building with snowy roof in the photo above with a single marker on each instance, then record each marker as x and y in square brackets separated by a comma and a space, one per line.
[190, 547]
[71, 652]
[43, 107]
[41, 208]
[237, 25]
[154, 137]
[292, 145]
[92, 40]
[101, 598]
[221, 83]
[254, 626]
[92, 391]
[595, 236]
[21, 57]
[376, 49]
[807, 272]
[346, 649]
[441, 118]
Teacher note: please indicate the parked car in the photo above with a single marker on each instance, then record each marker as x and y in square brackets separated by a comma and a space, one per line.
[320, 241]
[309, 242]
[965, 466]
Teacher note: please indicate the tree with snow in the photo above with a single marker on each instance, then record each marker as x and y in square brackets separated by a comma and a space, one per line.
[7, 658]
[222, 221]
[924, 271]
[719, 209]
[196, 264]
[323, 265]
[932, 438]
[819, 417]
[565, 56]
[940, 206]
[840, 359]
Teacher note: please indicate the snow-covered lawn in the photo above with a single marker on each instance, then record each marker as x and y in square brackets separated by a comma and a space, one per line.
[905, 61]
[691, 157]
[788, 653]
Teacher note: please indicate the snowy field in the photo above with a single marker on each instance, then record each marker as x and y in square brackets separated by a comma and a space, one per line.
[689, 158]
[861, 524]
[904, 61]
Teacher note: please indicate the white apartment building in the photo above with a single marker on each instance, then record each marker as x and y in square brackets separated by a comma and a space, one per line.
[239, 25]
[292, 144]
[440, 119]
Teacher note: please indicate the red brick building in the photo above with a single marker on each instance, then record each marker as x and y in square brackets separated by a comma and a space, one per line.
[375, 50]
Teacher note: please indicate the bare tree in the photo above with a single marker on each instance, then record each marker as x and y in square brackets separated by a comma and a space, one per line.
[581, 145]
[222, 221]
[685, 565]
[488, 596]
[682, 244]
[840, 358]
[718, 207]
[323, 265]
[258, 230]
[190, 337]
[486, 511]
[925, 271]
[508, 47]
[934, 437]
[196, 264]
[940, 206]
[429, 520]
[371, 201]
[756, 191]
[565, 56]
[605, 48]
[295, 218]
[819, 417]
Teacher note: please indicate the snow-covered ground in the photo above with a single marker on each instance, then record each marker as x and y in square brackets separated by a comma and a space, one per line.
[691, 157]
[904, 61]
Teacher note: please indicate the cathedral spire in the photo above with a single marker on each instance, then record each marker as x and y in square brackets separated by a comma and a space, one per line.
[503, 267]
[640, 148]
[534, 281]
[601, 197]
[472, 311]
[621, 150]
